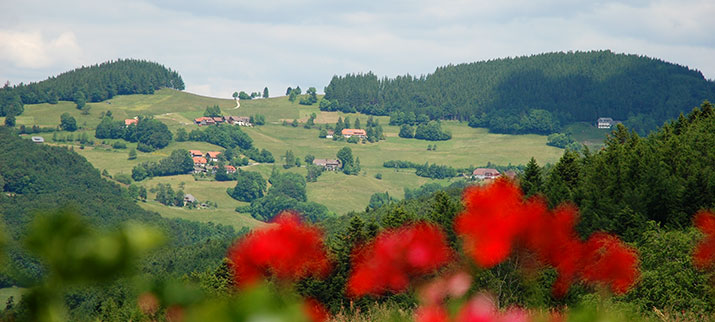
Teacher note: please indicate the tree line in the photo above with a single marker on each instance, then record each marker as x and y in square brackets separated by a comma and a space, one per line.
[93, 83]
[531, 94]
[151, 134]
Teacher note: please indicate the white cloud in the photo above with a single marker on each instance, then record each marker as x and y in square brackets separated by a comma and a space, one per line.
[33, 50]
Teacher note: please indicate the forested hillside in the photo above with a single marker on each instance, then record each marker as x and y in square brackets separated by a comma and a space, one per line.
[644, 190]
[534, 94]
[91, 84]
[38, 179]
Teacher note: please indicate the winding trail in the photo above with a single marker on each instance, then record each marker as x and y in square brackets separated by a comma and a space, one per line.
[237, 105]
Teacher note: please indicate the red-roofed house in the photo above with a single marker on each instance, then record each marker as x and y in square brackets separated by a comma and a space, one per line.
[218, 119]
[485, 173]
[204, 121]
[213, 156]
[200, 161]
[230, 169]
[128, 122]
[196, 153]
[354, 132]
[199, 164]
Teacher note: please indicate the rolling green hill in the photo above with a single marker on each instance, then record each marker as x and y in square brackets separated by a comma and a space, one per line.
[339, 192]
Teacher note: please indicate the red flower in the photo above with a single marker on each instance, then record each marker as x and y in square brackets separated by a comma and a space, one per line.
[481, 308]
[431, 313]
[289, 250]
[395, 256]
[609, 261]
[315, 310]
[497, 219]
[704, 254]
[492, 218]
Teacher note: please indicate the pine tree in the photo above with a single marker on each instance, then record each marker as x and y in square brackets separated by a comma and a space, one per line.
[531, 182]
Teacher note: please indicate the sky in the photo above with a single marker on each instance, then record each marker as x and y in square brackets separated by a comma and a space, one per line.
[221, 46]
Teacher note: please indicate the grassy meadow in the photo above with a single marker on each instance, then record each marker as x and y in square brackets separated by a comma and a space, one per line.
[15, 292]
[339, 192]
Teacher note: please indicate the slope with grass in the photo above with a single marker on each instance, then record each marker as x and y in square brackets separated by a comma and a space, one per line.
[339, 192]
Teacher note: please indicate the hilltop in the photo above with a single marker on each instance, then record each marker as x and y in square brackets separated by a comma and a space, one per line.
[533, 94]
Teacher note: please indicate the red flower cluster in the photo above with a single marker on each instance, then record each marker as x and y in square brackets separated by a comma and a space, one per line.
[315, 310]
[289, 249]
[496, 218]
[394, 256]
[704, 255]
[610, 262]
[493, 217]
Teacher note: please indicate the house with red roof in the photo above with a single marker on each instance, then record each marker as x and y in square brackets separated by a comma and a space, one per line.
[230, 169]
[485, 173]
[204, 121]
[128, 122]
[212, 156]
[200, 161]
[195, 153]
[347, 133]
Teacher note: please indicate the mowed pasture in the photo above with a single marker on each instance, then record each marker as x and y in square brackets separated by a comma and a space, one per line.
[339, 192]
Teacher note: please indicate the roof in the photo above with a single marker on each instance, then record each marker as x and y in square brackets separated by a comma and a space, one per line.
[485, 172]
[204, 119]
[354, 132]
[196, 153]
[213, 154]
[325, 162]
[605, 119]
[189, 197]
[218, 118]
[199, 160]
[130, 121]
[230, 168]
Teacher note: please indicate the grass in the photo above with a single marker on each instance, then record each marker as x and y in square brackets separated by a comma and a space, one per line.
[6, 293]
[587, 134]
[214, 191]
[339, 192]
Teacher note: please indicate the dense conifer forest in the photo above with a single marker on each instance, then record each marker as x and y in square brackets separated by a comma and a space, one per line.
[91, 84]
[532, 94]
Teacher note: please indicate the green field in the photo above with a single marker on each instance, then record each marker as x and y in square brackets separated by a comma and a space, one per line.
[339, 192]
[6, 293]
[587, 134]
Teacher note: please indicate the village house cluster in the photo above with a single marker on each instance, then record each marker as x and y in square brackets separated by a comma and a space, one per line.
[203, 162]
[233, 120]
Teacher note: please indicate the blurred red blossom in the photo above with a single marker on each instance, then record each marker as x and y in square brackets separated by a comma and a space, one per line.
[482, 308]
[288, 249]
[496, 219]
[704, 254]
[453, 285]
[315, 310]
[608, 261]
[431, 313]
[492, 218]
[395, 256]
